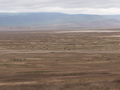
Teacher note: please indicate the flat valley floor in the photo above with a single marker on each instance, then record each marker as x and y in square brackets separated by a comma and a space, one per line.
[60, 59]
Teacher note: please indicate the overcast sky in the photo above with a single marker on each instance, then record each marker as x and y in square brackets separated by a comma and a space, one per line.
[63, 6]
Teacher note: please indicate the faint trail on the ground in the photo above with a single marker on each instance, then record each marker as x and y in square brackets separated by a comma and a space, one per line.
[58, 51]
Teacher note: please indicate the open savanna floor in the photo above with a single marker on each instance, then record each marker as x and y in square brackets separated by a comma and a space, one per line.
[48, 60]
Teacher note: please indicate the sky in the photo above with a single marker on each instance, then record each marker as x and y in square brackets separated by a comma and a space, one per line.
[100, 7]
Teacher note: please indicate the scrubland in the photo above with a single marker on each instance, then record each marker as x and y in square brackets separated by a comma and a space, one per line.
[49, 60]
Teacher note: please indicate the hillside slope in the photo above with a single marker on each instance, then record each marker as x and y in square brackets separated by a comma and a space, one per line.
[58, 20]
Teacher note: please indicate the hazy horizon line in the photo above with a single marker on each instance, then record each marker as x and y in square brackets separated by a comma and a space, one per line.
[59, 12]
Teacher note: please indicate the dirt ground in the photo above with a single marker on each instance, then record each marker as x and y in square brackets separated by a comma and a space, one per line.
[51, 60]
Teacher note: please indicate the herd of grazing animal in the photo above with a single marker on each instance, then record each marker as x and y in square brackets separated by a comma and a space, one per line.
[18, 59]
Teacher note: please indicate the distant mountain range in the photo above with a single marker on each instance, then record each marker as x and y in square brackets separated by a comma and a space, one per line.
[46, 20]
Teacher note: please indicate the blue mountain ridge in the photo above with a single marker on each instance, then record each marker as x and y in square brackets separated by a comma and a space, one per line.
[58, 19]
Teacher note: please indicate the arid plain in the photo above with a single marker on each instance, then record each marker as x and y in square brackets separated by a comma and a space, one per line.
[83, 59]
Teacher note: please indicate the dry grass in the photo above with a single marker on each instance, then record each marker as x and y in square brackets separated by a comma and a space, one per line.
[46, 60]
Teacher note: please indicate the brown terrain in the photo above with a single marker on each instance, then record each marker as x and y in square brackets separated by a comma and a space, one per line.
[60, 59]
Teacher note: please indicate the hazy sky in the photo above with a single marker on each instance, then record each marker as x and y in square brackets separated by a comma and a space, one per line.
[63, 6]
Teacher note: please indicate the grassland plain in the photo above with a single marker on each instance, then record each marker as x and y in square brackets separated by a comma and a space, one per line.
[59, 60]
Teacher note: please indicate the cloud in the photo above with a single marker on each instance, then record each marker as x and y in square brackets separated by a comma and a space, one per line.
[64, 6]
